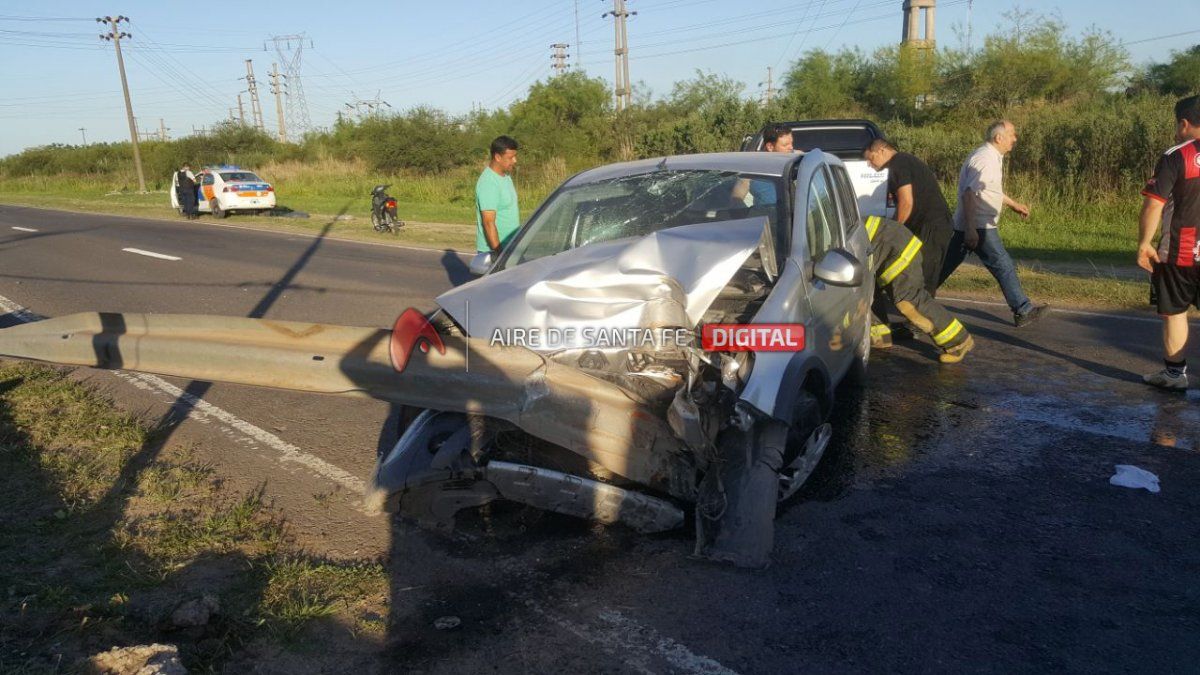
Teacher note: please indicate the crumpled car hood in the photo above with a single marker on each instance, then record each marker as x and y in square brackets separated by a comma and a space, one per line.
[668, 278]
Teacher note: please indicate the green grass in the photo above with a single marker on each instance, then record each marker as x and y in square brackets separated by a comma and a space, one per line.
[1089, 230]
[1072, 226]
[92, 538]
[299, 590]
[1059, 289]
[1067, 224]
[439, 209]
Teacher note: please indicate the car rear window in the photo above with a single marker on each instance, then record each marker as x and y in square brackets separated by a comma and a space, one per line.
[835, 141]
[240, 177]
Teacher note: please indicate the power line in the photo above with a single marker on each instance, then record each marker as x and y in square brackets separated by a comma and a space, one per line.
[172, 81]
[213, 94]
[1159, 37]
[36, 33]
[839, 28]
[547, 27]
[45, 18]
[529, 77]
[768, 38]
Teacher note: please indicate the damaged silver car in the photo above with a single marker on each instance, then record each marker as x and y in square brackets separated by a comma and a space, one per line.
[572, 376]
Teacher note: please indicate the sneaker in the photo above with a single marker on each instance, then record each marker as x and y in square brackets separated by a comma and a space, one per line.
[1030, 316]
[957, 352]
[1163, 379]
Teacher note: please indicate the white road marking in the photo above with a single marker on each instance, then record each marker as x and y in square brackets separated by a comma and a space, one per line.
[23, 229]
[1055, 310]
[151, 254]
[286, 233]
[203, 411]
[637, 646]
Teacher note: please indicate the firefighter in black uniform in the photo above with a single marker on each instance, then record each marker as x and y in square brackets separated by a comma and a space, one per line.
[897, 266]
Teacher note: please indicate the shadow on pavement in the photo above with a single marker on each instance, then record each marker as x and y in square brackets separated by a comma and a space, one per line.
[457, 271]
[111, 507]
[1100, 369]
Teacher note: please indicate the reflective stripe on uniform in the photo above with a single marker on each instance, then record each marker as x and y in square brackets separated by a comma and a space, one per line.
[880, 329]
[901, 263]
[872, 227]
[949, 333]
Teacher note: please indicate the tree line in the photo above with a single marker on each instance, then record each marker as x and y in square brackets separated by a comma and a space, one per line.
[1088, 119]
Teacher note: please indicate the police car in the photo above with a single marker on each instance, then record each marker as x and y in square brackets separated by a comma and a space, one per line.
[226, 189]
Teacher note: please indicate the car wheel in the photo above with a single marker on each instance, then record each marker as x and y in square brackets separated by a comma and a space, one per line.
[217, 211]
[807, 437]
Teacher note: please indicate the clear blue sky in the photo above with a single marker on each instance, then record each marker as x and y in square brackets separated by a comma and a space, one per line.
[184, 64]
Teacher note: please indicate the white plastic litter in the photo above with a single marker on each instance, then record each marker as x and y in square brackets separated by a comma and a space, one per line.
[1131, 476]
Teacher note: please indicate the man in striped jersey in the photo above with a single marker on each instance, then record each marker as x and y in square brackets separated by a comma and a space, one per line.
[1172, 199]
[896, 264]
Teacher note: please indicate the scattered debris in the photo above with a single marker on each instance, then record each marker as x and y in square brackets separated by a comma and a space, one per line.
[447, 623]
[1131, 476]
[285, 212]
[152, 659]
[344, 216]
[195, 612]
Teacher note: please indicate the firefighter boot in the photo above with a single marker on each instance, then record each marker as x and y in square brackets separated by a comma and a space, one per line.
[957, 352]
[881, 336]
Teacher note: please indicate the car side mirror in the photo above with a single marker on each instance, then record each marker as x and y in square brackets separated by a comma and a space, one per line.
[481, 263]
[839, 268]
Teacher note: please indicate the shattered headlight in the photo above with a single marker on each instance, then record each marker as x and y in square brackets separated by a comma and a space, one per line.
[735, 369]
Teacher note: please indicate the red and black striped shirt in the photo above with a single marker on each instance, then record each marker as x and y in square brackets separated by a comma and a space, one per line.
[1176, 183]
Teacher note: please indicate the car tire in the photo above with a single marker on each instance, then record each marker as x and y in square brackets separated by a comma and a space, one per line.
[807, 438]
[217, 211]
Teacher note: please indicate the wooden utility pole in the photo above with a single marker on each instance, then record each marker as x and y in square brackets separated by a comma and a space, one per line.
[277, 89]
[114, 35]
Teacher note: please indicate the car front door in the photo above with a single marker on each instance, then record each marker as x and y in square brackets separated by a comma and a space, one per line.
[818, 228]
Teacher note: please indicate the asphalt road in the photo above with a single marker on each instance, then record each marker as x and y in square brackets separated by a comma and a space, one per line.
[962, 519]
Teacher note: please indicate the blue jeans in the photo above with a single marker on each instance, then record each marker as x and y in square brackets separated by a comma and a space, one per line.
[995, 258]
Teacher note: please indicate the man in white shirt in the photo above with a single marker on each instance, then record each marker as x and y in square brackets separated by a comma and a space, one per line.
[981, 200]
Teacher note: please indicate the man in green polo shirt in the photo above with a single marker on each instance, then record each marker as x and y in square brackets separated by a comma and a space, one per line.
[497, 215]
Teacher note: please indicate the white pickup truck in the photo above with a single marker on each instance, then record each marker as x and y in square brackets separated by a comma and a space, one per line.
[844, 139]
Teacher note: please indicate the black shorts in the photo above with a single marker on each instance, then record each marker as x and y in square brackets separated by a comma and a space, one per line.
[1175, 288]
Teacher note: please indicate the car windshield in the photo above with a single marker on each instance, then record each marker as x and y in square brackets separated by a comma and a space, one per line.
[240, 177]
[634, 206]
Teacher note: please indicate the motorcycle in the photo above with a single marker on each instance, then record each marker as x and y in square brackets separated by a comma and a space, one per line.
[383, 211]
